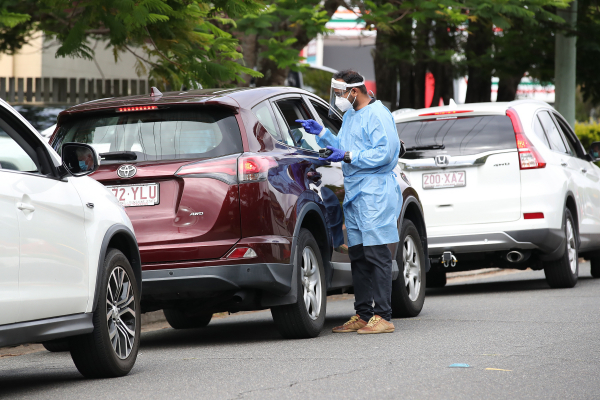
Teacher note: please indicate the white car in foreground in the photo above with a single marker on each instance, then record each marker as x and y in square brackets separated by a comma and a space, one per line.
[504, 185]
[70, 273]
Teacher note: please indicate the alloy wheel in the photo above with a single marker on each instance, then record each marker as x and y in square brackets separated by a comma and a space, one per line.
[120, 312]
[571, 246]
[412, 268]
[311, 283]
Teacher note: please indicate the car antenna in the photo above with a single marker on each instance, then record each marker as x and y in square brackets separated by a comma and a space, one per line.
[154, 92]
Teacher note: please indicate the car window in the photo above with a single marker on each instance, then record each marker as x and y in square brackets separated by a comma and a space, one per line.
[333, 124]
[264, 116]
[554, 135]
[291, 110]
[569, 138]
[456, 136]
[168, 134]
[12, 155]
[284, 129]
[539, 131]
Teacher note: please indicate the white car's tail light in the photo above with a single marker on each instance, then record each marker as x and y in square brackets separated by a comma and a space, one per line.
[529, 158]
[255, 168]
[242, 252]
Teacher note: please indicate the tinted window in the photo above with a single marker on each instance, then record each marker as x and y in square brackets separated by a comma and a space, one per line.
[539, 131]
[157, 135]
[556, 142]
[459, 136]
[291, 110]
[12, 155]
[570, 138]
[333, 124]
[264, 116]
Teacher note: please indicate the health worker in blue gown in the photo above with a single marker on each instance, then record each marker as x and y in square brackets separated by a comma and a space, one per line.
[368, 145]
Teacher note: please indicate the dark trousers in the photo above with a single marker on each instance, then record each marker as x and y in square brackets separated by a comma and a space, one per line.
[372, 280]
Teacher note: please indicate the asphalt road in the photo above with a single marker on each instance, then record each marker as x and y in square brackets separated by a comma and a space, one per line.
[521, 339]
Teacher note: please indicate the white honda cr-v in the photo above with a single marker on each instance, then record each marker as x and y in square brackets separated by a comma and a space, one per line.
[506, 185]
[70, 273]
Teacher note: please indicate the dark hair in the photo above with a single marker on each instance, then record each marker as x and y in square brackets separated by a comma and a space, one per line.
[350, 76]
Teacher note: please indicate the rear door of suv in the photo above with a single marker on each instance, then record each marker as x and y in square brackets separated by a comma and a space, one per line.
[175, 172]
[466, 168]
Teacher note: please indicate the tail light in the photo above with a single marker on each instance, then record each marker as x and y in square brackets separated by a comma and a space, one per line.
[529, 158]
[223, 169]
[230, 169]
[255, 168]
[242, 252]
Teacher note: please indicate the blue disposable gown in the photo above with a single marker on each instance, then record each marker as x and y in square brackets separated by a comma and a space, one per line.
[373, 198]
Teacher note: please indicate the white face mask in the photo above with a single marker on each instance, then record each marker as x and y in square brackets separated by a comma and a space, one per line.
[343, 104]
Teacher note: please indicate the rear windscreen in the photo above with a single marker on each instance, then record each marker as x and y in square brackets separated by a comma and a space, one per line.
[156, 135]
[458, 136]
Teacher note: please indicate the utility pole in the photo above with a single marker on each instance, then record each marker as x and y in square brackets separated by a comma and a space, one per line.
[565, 65]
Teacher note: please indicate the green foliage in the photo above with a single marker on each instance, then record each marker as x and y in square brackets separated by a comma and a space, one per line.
[587, 133]
[175, 41]
[588, 49]
[284, 28]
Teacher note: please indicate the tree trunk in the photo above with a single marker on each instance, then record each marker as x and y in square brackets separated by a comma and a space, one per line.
[420, 70]
[507, 87]
[249, 46]
[441, 67]
[479, 43]
[407, 93]
[272, 76]
[386, 73]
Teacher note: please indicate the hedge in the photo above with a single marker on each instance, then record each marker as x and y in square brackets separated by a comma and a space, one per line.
[587, 133]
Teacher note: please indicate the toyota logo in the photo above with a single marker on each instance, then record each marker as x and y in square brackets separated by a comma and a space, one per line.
[442, 160]
[126, 171]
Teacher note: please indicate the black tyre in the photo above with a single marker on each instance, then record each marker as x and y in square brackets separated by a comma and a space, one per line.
[562, 273]
[57, 346]
[186, 319]
[595, 267]
[436, 278]
[112, 348]
[408, 290]
[305, 318]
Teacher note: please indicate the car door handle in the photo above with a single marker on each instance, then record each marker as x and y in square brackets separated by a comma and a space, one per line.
[25, 207]
[314, 176]
[583, 170]
[563, 163]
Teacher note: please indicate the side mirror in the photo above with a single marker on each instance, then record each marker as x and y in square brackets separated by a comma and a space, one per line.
[594, 151]
[79, 159]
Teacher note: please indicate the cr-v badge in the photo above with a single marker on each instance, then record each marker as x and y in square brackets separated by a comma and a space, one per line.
[126, 171]
[442, 160]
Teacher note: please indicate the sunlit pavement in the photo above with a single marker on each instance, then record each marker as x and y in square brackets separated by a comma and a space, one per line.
[520, 338]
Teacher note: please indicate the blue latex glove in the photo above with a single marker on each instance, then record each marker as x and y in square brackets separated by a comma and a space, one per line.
[337, 155]
[310, 126]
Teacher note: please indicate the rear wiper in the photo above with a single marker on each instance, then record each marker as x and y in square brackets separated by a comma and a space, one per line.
[119, 155]
[431, 147]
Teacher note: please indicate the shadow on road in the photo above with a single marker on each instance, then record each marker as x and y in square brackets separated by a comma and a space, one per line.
[225, 331]
[506, 286]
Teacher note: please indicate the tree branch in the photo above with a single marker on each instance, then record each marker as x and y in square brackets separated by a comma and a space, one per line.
[140, 57]
[160, 52]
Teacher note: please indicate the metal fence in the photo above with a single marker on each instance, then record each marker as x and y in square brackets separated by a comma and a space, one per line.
[67, 90]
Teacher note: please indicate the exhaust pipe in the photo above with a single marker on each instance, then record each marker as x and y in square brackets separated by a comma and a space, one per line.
[514, 256]
[239, 297]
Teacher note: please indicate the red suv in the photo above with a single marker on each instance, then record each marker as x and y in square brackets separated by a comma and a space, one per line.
[232, 208]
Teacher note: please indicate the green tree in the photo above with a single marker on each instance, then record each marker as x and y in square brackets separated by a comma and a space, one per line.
[273, 38]
[175, 41]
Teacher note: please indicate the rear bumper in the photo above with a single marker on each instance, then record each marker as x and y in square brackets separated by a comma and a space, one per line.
[269, 277]
[550, 242]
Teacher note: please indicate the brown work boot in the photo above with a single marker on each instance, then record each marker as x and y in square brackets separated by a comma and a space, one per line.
[377, 325]
[353, 325]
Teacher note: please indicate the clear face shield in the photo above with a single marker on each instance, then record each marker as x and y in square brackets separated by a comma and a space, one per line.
[338, 97]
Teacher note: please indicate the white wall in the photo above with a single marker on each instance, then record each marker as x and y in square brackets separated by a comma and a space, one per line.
[104, 67]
